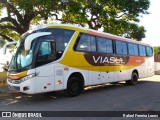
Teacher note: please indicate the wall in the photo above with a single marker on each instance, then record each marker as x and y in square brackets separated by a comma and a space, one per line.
[157, 64]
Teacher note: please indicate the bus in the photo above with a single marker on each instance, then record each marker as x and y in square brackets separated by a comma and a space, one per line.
[57, 57]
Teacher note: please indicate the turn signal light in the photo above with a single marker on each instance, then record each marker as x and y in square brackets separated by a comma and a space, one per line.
[66, 68]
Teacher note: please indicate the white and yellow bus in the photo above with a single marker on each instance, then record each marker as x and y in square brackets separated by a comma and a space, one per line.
[65, 57]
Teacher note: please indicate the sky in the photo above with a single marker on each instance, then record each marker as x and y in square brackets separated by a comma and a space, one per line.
[151, 22]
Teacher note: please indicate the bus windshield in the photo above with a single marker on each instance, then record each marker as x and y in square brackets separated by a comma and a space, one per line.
[22, 58]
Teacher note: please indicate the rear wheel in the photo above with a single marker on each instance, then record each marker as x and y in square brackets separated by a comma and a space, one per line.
[134, 79]
[74, 86]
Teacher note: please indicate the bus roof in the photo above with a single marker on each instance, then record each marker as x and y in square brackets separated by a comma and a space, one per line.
[90, 31]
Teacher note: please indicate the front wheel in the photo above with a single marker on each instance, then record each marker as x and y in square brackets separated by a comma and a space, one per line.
[74, 86]
[134, 79]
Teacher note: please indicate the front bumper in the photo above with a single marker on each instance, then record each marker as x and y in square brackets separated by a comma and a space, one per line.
[24, 87]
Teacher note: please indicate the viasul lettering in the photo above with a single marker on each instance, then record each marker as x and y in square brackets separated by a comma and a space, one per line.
[108, 60]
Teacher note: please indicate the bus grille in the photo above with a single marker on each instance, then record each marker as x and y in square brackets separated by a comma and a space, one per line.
[14, 88]
[14, 81]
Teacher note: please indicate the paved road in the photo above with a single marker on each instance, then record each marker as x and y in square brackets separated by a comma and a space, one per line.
[144, 96]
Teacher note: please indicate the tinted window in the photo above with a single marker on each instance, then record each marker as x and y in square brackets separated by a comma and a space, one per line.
[149, 51]
[135, 50]
[124, 45]
[93, 44]
[142, 50]
[109, 46]
[45, 48]
[46, 53]
[61, 37]
[67, 36]
[102, 45]
[132, 49]
[121, 47]
[86, 43]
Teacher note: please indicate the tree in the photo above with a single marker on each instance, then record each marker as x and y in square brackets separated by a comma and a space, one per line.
[22, 13]
[2, 42]
[118, 17]
[157, 50]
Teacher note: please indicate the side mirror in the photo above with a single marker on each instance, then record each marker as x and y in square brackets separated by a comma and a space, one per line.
[31, 37]
[7, 44]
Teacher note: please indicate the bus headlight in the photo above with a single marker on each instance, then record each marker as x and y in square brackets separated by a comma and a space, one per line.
[17, 76]
[28, 77]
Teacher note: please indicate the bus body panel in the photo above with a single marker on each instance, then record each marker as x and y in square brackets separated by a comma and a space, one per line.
[96, 68]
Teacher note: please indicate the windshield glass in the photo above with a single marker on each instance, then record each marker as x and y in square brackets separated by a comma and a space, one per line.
[22, 58]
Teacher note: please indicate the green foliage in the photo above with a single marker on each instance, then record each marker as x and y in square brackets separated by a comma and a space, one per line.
[21, 14]
[2, 42]
[118, 17]
[126, 29]
[156, 50]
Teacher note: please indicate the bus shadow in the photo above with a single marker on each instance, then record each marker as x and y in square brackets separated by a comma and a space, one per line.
[105, 87]
[110, 87]
[61, 96]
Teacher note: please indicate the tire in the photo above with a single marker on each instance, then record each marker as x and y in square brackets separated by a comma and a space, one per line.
[74, 86]
[134, 79]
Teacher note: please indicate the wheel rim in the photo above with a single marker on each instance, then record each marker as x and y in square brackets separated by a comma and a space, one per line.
[74, 88]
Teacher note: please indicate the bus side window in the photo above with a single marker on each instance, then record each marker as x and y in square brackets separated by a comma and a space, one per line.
[84, 43]
[102, 48]
[142, 50]
[104, 45]
[109, 46]
[93, 44]
[149, 51]
[135, 50]
[46, 53]
[121, 48]
[130, 48]
[44, 49]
